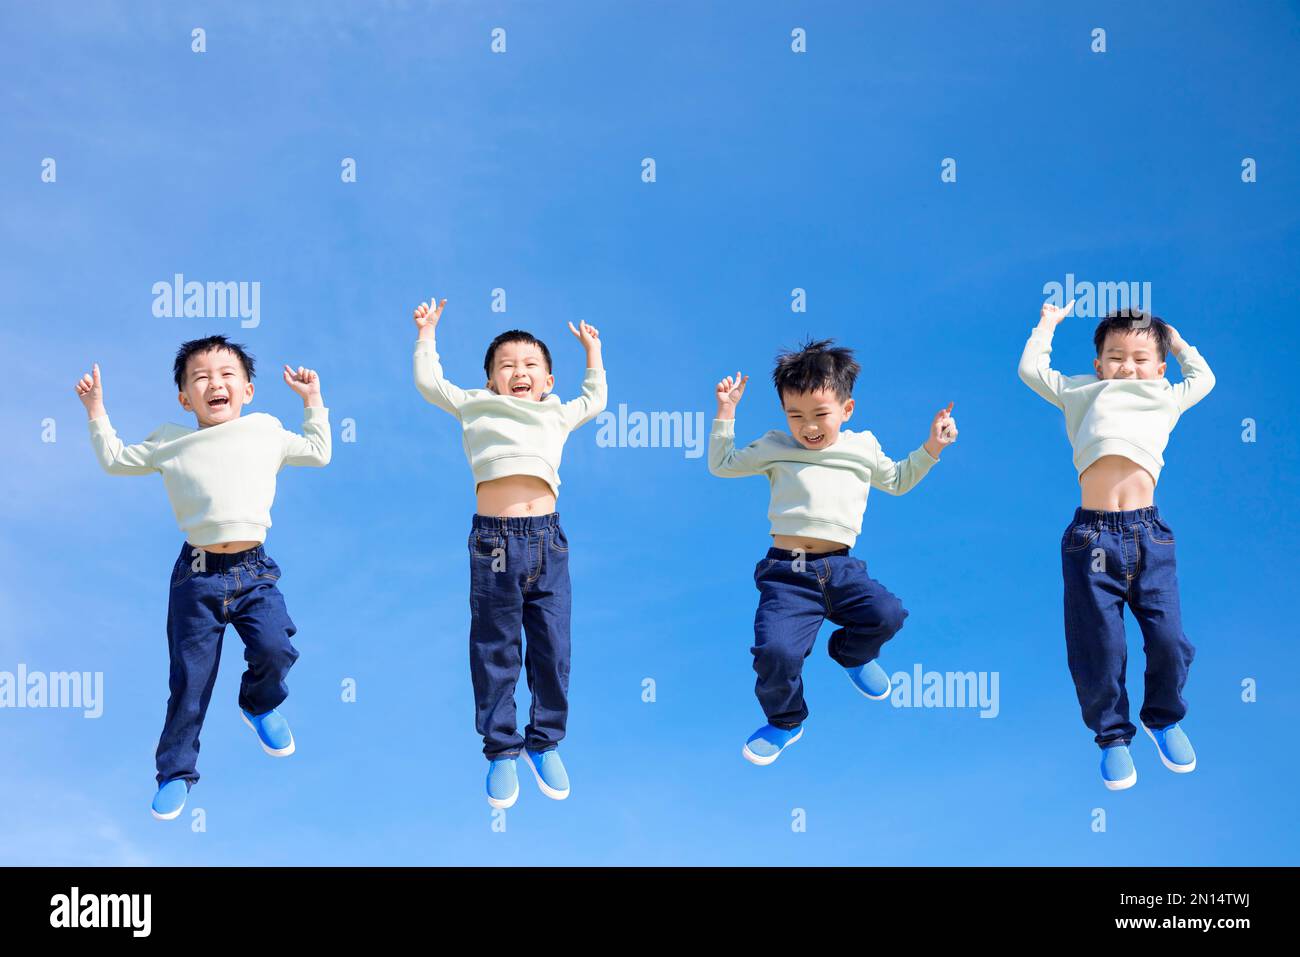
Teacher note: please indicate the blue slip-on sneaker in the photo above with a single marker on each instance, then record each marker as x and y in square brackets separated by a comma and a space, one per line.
[170, 799]
[870, 679]
[502, 782]
[1117, 771]
[273, 731]
[549, 771]
[766, 744]
[1175, 750]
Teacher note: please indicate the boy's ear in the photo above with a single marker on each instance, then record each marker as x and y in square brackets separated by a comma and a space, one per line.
[848, 410]
[1160, 370]
[185, 403]
[248, 392]
[1096, 365]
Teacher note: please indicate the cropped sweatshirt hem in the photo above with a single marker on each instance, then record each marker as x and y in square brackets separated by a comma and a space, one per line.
[1085, 457]
[797, 527]
[516, 463]
[213, 533]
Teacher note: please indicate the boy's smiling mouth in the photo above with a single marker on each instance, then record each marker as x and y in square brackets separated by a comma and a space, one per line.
[522, 388]
[218, 402]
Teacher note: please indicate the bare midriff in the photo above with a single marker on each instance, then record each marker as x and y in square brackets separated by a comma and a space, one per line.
[809, 546]
[514, 496]
[1116, 484]
[225, 548]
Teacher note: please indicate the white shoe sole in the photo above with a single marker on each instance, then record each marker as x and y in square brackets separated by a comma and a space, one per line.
[873, 697]
[282, 753]
[505, 802]
[549, 791]
[753, 758]
[1122, 784]
[167, 817]
[1176, 768]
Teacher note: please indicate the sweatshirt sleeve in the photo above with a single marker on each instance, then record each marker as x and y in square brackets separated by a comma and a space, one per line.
[118, 459]
[429, 380]
[1036, 366]
[899, 477]
[588, 405]
[313, 446]
[1198, 380]
[725, 461]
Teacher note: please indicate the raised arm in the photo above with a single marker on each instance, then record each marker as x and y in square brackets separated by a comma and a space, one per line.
[1036, 360]
[594, 391]
[428, 370]
[724, 460]
[313, 446]
[1198, 380]
[114, 457]
[900, 477]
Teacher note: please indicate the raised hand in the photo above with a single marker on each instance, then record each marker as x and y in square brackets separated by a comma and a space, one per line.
[729, 392]
[427, 315]
[90, 390]
[305, 382]
[587, 334]
[1054, 314]
[1176, 342]
[943, 431]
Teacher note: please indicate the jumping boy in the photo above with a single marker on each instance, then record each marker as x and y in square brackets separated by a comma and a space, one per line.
[1118, 549]
[513, 431]
[220, 479]
[820, 475]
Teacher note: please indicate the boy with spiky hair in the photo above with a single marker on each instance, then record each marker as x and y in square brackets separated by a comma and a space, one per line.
[1118, 549]
[513, 431]
[220, 479]
[820, 475]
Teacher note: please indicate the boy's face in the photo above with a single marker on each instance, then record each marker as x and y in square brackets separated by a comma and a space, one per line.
[215, 387]
[519, 369]
[1132, 354]
[815, 417]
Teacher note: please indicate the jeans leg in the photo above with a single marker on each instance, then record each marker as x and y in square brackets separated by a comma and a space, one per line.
[547, 603]
[866, 611]
[1093, 569]
[259, 615]
[195, 625]
[1155, 605]
[498, 564]
[790, 613]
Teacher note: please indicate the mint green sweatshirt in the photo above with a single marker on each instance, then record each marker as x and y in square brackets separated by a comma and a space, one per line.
[503, 435]
[817, 493]
[1127, 417]
[220, 479]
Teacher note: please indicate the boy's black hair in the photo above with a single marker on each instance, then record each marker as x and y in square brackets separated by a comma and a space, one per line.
[199, 346]
[1128, 320]
[816, 365]
[514, 335]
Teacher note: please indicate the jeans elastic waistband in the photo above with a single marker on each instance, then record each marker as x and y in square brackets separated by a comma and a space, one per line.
[1116, 520]
[220, 561]
[518, 524]
[787, 555]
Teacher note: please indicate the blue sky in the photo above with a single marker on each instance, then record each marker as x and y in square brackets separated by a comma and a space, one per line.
[522, 171]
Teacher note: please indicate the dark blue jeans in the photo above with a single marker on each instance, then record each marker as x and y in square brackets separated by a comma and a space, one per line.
[793, 602]
[209, 591]
[519, 578]
[1109, 559]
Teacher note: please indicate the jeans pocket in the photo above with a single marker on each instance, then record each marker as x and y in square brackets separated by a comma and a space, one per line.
[1160, 533]
[558, 541]
[183, 570]
[485, 544]
[1078, 537]
[267, 570]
